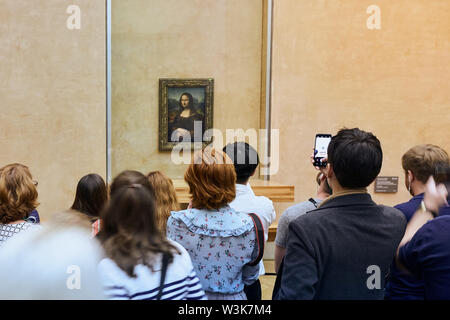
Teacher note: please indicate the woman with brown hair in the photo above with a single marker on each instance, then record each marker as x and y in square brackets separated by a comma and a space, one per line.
[18, 198]
[141, 263]
[166, 198]
[220, 240]
[90, 198]
[181, 128]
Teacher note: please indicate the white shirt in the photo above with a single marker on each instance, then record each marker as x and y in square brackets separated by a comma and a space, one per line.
[247, 202]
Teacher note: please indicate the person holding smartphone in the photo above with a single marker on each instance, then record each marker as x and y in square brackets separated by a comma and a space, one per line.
[332, 250]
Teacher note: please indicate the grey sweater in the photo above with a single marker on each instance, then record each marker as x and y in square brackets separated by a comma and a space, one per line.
[334, 251]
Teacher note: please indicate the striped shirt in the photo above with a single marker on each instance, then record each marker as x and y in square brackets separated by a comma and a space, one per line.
[181, 281]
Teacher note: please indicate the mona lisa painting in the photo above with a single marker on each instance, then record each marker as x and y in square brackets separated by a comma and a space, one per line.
[185, 112]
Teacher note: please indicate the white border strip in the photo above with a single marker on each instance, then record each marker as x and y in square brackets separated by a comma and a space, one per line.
[108, 91]
[268, 83]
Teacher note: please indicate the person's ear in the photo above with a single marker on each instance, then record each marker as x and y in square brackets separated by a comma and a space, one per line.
[328, 171]
[410, 176]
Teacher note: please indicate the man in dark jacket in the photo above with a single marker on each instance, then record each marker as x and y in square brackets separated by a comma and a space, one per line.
[343, 249]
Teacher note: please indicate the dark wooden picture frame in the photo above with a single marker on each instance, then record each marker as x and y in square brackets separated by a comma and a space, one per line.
[183, 105]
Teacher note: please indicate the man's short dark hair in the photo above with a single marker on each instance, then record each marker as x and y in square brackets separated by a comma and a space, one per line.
[356, 157]
[245, 160]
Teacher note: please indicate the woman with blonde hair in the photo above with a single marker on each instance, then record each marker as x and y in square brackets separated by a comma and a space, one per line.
[220, 240]
[166, 198]
[18, 198]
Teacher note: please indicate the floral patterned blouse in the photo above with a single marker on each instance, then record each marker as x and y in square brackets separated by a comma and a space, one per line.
[220, 243]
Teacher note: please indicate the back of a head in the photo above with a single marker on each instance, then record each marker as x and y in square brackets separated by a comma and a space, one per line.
[18, 193]
[129, 177]
[245, 159]
[131, 206]
[131, 210]
[212, 179]
[166, 197]
[162, 185]
[356, 157]
[91, 195]
[425, 160]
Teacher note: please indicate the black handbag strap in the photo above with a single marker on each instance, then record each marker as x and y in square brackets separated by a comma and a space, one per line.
[259, 229]
[314, 202]
[165, 263]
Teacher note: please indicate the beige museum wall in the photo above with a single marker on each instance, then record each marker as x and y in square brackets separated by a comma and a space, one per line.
[330, 71]
[52, 89]
[219, 39]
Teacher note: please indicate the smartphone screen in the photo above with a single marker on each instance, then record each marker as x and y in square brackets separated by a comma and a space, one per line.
[320, 148]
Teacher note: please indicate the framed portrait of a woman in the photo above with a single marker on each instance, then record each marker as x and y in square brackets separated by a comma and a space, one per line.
[185, 112]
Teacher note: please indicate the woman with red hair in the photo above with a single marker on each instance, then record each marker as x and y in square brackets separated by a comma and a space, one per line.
[220, 240]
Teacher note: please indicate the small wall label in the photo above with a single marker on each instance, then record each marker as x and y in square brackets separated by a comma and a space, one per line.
[386, 184]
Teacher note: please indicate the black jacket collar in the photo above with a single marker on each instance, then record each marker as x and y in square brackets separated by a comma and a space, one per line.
[356, 199]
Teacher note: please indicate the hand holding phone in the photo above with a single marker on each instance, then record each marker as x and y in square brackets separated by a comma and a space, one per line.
[320, 149]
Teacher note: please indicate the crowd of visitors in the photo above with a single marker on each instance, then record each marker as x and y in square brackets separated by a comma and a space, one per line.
[134, 240]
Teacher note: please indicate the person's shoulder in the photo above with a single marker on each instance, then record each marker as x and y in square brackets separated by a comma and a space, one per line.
[444, 218]
[232, 211]
[264, 199]
[440, 223]
[247, 202]
[107, 264]
[264, 202]
[175, 214]
[183, 215]
[392, 212]
[181, 250]
[32, 225]
[297, 210]
[403, 205]
[301, 207]
[311, 219]
[434, 232]
[246, 193]
[444, 211]
[320, 217]
[181, 258]
[242, 222]
[411, 204]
